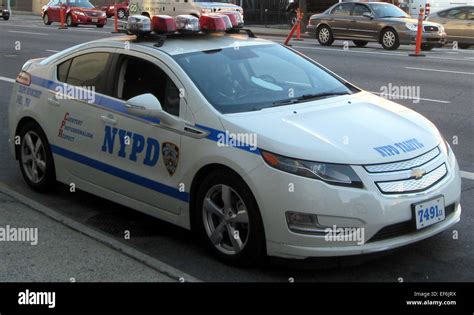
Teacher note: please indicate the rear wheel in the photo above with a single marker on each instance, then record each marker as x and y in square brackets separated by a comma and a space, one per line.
[100, 25]
[390, 39]
[6, 18]
[46, 20]
[324, 35]
[360, 43]
[228, 219]
[36, 159]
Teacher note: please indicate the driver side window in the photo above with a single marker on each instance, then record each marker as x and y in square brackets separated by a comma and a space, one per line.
[360, 9]
[135, 76]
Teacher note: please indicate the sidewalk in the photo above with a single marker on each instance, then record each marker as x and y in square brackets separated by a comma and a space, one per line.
[61, 253]
[273, 31]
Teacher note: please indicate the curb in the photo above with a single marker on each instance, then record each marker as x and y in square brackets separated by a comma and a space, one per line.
[129, 251]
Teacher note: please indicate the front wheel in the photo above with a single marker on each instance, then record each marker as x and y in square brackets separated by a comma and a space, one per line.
[390, 39]
[100, 25]
[360, 43]
[228, 219]
[70, 21]
[324, 35]
[36, 159]
[121, 14]
[6, 18]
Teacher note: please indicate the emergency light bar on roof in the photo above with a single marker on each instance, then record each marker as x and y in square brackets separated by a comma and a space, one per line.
[163, 25]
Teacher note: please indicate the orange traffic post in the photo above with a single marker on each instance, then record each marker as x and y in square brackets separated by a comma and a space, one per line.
[62, 13]
[300, 20]
[419, 34]
[293, 29]
[115, 18]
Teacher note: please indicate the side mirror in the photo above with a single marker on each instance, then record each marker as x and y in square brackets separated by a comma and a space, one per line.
[147, 105]
[368, 15]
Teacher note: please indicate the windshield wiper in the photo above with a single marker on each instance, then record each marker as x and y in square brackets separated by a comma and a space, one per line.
[307, 97]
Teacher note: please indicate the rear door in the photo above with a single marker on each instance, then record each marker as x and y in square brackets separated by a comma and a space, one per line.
[455, 24]
[340, 20]
[54, 10]
[469, 26]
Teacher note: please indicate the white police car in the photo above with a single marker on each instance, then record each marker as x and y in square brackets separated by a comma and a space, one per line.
[254, 145]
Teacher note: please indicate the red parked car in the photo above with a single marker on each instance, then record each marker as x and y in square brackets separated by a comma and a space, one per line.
[76, 12]
[120, 5]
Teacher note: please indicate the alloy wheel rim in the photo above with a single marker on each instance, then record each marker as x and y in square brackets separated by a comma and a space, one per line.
[226, 219]
[389, 39]
[324, 35]
[33, 157]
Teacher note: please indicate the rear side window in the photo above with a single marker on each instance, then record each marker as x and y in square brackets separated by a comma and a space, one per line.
[88, 70]
[342, 9]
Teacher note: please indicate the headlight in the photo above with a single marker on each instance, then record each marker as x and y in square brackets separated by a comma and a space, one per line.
[204, 11]
[334, 174]
[78, 13]
[444, 146]
[411, 26]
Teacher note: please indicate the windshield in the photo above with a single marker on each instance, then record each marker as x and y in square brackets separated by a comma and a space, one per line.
[80, 4]
[257, 77]
[386, 10]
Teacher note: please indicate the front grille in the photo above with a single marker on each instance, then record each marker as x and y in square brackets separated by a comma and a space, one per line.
[413, 185]
[403, 228]
[404, 165]
[431, 28]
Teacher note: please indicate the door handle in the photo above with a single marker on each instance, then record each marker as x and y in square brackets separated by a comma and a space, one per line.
[53, 101]
[108, 120]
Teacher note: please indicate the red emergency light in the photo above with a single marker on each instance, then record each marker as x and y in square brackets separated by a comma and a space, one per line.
[163, 24]
[213, 23]
[235, 18]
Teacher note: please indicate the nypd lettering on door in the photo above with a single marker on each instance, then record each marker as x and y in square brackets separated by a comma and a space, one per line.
[129, 145]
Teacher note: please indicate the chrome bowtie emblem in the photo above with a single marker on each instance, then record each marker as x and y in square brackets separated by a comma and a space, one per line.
[417, 173]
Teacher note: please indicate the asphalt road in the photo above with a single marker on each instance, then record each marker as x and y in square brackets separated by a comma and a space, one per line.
[445, 78]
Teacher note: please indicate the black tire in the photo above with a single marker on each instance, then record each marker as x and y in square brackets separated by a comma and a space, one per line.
[146, 14]
[464, 46]
[6, 18]
[121, 14]
[46, 20]
[254, 250]
[100, 25]
[48, 182]
[292, 18]
[394, 43]
[324, 35]
[426, 47]
[360, 43]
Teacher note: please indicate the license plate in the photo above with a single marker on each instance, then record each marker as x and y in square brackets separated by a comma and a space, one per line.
[429, 212]
[95, 20]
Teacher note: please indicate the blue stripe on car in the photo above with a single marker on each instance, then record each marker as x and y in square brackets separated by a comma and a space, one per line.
[112, 170]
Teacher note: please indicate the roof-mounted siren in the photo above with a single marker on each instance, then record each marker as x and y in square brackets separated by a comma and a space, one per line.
[215, 23]
[187, 24]
[235, 18]
[139, 25]
[163, 24]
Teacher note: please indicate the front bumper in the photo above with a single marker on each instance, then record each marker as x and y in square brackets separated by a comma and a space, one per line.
[433, 38]
[278, 192]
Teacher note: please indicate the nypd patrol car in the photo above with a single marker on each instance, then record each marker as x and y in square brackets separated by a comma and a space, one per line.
[255, 146]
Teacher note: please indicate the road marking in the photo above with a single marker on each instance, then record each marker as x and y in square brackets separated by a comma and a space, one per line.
[351, 50]
[53, 51]
[438, 70]
[412, 98]
[467, 175]
[7, 80]
[29, 33]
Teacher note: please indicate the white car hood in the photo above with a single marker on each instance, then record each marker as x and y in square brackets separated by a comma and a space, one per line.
[334, 130]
